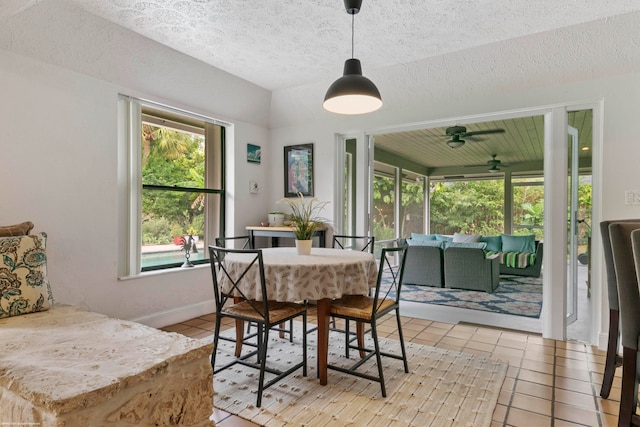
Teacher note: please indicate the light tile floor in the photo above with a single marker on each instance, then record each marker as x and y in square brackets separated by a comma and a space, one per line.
[549, 383]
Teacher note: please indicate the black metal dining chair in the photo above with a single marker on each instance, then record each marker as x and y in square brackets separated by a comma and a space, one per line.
[360, 243]
[239, 242]
[365, 309]
[266, 314]
[244, 242]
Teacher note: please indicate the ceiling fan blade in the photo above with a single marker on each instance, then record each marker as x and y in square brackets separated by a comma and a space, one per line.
[482, 132]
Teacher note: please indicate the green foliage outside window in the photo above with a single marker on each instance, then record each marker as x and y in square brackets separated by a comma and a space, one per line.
[171, 158]
[471, 207]
[468, 207]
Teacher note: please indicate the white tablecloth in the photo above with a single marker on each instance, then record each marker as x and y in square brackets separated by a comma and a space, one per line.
[326, 273]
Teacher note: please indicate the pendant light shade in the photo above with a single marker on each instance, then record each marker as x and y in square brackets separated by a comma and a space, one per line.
[352, 93]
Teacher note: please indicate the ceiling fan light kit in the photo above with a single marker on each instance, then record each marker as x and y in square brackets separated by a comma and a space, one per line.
[458, 132]
[455, 142]
[352, 93]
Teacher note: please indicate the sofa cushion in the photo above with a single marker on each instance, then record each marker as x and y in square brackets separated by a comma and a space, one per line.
[24, 287]
[416, 236]
[434, 243]
[465, 238]
[518, 243]
[472, 245]
[21, 229]
[494, 243]
[444, 238]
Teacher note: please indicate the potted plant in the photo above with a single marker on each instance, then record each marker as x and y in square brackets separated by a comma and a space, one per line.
[305, 220]
[177, 233]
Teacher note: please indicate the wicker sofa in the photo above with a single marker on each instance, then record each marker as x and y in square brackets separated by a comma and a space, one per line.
[470, 269]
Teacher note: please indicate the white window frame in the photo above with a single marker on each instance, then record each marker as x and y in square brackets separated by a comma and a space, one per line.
[130, 180]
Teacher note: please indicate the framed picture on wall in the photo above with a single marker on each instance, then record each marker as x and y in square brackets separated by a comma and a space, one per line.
[298, 170]
[253, 153]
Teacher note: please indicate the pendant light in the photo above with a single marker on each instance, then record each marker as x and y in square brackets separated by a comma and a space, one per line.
[352, 93]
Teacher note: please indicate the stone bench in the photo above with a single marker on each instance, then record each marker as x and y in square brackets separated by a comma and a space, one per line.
[71, 367]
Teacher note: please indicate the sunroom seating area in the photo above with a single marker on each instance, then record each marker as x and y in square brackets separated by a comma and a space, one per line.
[471, 262]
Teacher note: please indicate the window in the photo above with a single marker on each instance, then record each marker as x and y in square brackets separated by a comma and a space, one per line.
[528, 206]
[467, 206]
[174, 186]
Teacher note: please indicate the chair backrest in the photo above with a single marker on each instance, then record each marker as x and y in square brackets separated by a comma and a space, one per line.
[612, 283]
[232, 282]
[627, 279]
[362, 243]
[390, 273]
[238, 242]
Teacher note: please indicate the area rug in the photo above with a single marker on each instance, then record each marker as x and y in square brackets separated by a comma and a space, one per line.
[518, 296]
[442, 388]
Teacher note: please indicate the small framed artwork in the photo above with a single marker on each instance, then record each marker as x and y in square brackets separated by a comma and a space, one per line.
[298, 170]
[253, 153]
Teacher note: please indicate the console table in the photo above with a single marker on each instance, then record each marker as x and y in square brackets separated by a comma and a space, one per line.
[277, 232]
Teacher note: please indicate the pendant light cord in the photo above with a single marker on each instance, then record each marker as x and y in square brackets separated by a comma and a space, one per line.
[352, 22]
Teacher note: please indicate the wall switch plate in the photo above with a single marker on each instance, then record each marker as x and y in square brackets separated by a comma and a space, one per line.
[254, 188]
[632, 197]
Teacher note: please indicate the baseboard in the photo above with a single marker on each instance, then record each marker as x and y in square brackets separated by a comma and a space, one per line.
[603, 340]
[177, 315]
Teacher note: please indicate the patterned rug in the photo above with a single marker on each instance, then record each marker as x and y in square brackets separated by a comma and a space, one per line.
[519, 296]
[442, 388]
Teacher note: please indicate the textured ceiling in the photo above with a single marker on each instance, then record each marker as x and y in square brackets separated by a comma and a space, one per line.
[286, 43]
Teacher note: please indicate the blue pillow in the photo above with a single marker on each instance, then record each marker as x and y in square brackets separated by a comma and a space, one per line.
[416, 236]
[473, 245]
[518, 243]
[444, 238]
[494, 243]
[434, 243]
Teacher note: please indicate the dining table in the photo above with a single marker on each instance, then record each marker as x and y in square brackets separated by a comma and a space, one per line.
[322, 276]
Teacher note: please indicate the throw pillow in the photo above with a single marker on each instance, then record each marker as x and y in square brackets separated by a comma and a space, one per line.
[416, 236]
[24, 287]
[518, 243]
[465, 238]
[443, 238]
[16, 230]
[494, 243]
[434, 243]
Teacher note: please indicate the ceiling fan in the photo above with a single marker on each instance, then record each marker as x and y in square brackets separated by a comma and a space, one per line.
[494, 164]
[457, 133]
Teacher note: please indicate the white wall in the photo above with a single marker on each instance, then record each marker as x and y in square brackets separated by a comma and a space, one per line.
[599, 61]
[60, 74]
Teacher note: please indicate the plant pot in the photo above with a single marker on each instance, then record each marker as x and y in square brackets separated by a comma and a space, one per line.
[303, 247]
[276, 219]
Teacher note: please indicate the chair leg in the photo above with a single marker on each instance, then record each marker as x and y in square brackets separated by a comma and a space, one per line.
[629, 395]
[216, 336]
[347, 340]
[263, 338]
[374, 335]
[612, 360]
[360, 336]
[401, 337]
[304, 342]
